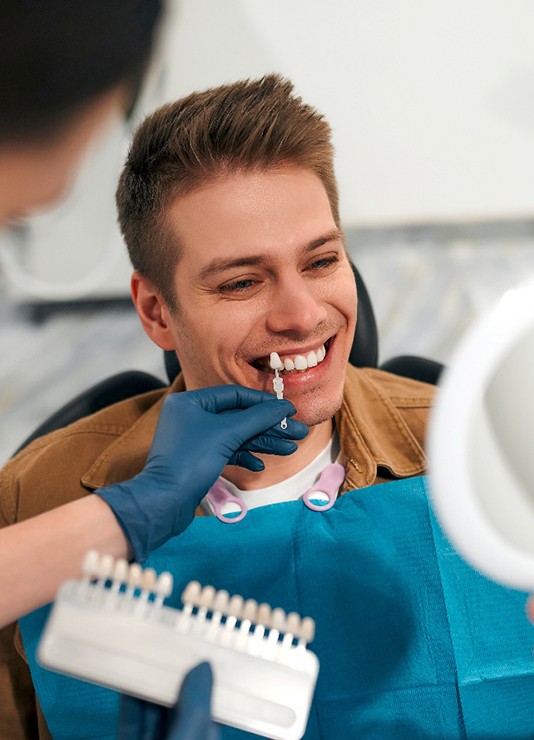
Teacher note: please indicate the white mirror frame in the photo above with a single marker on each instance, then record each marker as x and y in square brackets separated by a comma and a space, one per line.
[457, 499]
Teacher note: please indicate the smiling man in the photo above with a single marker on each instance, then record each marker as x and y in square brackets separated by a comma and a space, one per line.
[228, 205]
[265, 272]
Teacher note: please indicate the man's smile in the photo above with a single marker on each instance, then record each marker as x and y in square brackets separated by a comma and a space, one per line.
[293, 360]
[302, 368]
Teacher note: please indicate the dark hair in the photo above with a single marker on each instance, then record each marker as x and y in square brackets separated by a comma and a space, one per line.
[57, 55]
[242, 126]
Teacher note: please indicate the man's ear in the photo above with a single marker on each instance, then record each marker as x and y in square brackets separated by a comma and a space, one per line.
[153, 311]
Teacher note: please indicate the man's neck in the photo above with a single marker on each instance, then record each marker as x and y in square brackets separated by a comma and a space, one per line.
[279, 468]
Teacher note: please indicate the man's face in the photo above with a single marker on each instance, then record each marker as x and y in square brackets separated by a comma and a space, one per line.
[263, 269]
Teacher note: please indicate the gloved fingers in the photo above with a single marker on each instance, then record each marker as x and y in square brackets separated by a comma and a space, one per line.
[224, 397]
[271, 445]
[247, 460]
[248, 423]
[294, 430]
[193, 716]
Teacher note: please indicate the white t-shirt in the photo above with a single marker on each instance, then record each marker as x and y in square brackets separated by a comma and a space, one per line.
[291, 489]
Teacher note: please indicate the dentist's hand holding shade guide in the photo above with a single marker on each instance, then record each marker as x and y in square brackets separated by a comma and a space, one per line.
[112, 628]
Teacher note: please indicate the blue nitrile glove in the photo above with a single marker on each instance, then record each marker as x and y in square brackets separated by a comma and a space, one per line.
[189, 719]
[198, 434]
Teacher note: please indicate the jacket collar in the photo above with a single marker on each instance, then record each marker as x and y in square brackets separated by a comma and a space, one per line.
[373, 433]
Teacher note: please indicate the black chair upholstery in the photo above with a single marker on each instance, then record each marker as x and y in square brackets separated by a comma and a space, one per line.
[364, 353]
[108, 391]
[411, 366]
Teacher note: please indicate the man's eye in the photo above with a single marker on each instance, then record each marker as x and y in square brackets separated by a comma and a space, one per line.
[324, 262]
[238, 286]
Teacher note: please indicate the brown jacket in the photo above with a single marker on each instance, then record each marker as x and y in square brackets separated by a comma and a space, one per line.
[381, 426]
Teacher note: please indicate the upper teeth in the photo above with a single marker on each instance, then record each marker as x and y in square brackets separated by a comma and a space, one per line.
[298, 362]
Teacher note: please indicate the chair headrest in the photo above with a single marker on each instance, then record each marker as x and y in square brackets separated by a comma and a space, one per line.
[364, 350]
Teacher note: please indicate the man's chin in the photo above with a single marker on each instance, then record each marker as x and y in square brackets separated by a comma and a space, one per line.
[316, 411]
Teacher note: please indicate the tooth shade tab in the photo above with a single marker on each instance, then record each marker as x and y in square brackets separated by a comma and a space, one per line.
[275, 361]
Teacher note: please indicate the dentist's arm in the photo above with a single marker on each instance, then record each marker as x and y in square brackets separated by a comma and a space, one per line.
[198, 434]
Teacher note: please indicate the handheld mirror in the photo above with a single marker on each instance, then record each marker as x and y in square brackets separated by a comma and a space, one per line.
[481, 443]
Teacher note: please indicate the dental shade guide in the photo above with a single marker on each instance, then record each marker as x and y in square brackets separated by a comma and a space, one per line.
[112, 628]
[278, 381]
[278, 387]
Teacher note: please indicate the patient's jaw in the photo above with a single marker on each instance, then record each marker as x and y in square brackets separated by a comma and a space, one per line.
[262, 269]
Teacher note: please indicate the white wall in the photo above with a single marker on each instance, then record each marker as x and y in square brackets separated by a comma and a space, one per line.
[431, 102]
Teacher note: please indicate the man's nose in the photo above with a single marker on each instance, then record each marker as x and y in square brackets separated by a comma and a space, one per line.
[297, 307]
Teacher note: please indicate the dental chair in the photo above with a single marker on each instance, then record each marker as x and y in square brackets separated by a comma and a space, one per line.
[364, 353]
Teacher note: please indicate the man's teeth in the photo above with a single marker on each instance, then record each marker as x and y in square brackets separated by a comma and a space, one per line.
[298, 362]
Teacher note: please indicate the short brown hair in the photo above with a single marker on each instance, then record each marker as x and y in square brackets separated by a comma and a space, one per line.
[237, 127]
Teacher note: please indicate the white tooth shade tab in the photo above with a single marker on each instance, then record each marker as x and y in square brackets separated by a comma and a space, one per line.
[120, 570]
[149, 579]
[250, 608]
[164, 585]
[90, 564]
[206, 597]
[191, 594]
[275, 361]
[135, 576]
[106, 567]
[220, 602]
[264, 614]
[307, 629]
[235, 606]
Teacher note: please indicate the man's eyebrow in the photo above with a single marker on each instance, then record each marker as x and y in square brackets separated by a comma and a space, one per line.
[331, 236]
[222, 263]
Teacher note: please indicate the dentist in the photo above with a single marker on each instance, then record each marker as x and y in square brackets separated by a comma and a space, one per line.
[65, 66]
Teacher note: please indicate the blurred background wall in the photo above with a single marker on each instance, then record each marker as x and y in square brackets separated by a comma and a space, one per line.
[432, 108]
[431, 102]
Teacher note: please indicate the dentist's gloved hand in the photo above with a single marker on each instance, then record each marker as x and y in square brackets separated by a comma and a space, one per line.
[198, 434]
[189, 719]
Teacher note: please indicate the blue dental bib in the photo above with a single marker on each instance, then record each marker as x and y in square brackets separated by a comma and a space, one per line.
[412, 642]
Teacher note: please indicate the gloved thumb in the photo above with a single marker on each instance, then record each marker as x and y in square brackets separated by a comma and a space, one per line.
[193, 719]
